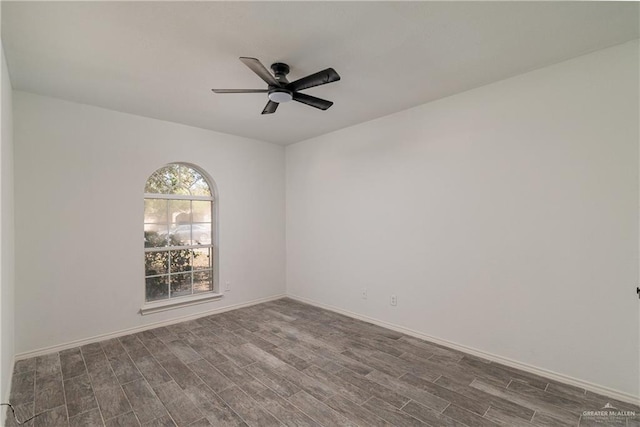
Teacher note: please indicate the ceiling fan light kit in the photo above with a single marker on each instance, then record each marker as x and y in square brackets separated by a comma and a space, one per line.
[280, 95]
[281, 90]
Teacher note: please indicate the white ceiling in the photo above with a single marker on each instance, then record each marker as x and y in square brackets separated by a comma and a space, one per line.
[160, 59]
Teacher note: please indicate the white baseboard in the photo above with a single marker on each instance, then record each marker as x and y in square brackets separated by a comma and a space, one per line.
[97, 338]
[595, 388]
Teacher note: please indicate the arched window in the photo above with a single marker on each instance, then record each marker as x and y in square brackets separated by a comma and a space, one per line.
[179, 233]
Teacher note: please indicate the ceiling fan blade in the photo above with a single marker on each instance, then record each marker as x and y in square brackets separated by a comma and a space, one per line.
[320, 78]
[322, 104]
[240, 90]
[257, 67]
[270, 108]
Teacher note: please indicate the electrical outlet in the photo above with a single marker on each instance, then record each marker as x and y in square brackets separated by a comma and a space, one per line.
[227, 287]
[364, 293]
[394, 300]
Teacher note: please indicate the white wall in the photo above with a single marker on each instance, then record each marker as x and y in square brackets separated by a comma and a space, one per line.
[80, 173]
[7, 273]
[504, 218]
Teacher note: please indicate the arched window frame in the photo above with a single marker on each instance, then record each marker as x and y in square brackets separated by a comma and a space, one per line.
[194, 298]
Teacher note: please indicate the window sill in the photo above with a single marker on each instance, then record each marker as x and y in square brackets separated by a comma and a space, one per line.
[155, 307]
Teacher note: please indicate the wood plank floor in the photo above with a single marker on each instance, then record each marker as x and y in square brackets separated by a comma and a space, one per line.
[287, 363]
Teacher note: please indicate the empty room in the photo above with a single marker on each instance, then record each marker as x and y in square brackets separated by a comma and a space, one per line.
[319, 213]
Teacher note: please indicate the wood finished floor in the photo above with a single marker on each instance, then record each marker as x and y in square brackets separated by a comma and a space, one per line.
[286, 363]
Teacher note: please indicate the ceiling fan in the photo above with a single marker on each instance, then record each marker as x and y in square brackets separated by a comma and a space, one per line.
[281, 90]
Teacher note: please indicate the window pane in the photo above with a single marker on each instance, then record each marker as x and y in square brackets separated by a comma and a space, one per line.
[187, 177]
[181, 261]
[156, 263]
[157, 288]
[155, 235]
[155, 211]
[200, 187]
[201, 211]
[180, 211]
[201, 234]
[180, 235]
[181, 190]
[171, 176]
[157, 184]
[202, 281]
[201, 258]
[158, 228]
[180, 214]
[180, 284]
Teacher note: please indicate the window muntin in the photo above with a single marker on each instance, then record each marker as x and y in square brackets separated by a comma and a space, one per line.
[178, 234]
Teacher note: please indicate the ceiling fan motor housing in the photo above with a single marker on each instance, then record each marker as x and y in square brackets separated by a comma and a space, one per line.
[280, 71]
